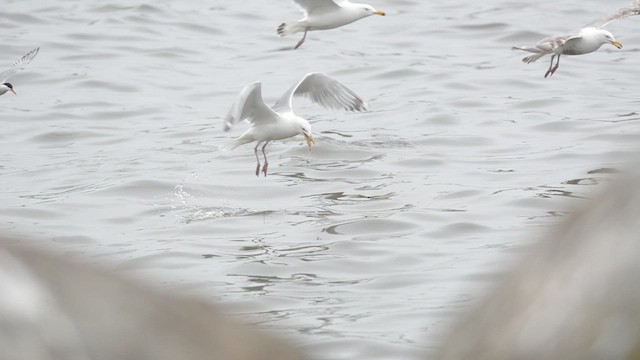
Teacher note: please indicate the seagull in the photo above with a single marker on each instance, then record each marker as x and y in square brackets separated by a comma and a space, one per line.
[325, 15]
[588, 39]
[15, 67]
[279, 122]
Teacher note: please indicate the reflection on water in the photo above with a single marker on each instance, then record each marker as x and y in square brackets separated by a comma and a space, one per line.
[364, 247]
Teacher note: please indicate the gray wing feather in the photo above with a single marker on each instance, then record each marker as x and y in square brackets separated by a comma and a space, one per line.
[553, 42]
[19, 65]
[249, 106]
[632, 9]
[322, 90]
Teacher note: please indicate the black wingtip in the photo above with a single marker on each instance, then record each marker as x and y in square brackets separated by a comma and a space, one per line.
[358, 105]
[281, 29]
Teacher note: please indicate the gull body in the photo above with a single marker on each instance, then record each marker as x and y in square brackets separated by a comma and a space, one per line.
[18, 65]
[287, 125]
[588, 39]
[325, 15]
[279, 122]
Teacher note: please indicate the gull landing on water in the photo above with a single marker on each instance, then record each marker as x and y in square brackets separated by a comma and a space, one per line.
[589, 39]
[325, 15]
[15, 67]
[279, 122]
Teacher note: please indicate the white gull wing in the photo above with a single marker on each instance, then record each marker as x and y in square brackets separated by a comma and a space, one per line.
[317, 6]
[570, 44]
[632, 9]
[251, 107]
[322, 90]
[18, 65]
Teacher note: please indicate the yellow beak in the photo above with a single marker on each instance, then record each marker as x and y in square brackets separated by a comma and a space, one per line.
[616, 44]
[310, 140]
[380, 13]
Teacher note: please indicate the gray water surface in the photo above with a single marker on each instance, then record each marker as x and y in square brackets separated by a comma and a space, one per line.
[365, 247]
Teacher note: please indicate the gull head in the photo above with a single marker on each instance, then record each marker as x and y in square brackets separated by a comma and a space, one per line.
[607, 37]
[305, 129]
[4, 87]
[368, 10]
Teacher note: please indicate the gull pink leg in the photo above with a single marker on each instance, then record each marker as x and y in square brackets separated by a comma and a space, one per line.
[555, 67]
[550, 70]
[266, 162]
[255, 150]
[301, 41]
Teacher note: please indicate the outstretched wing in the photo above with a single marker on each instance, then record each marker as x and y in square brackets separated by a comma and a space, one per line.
[18, 65]
[308, 6]
[249, 106]
[632, 9]
[322, 90]
[549, 44]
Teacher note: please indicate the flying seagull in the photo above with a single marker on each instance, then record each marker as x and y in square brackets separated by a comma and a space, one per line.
[588, 39]
[325, 15]
[279, 122]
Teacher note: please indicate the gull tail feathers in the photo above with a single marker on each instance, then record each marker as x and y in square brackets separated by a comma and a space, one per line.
[532, 58]
[529, 49]
[289, 29]
[237, 142]
[538, 53]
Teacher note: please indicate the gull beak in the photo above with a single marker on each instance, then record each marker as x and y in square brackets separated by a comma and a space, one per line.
[310, 140]
[381, 13]
[616, 44]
